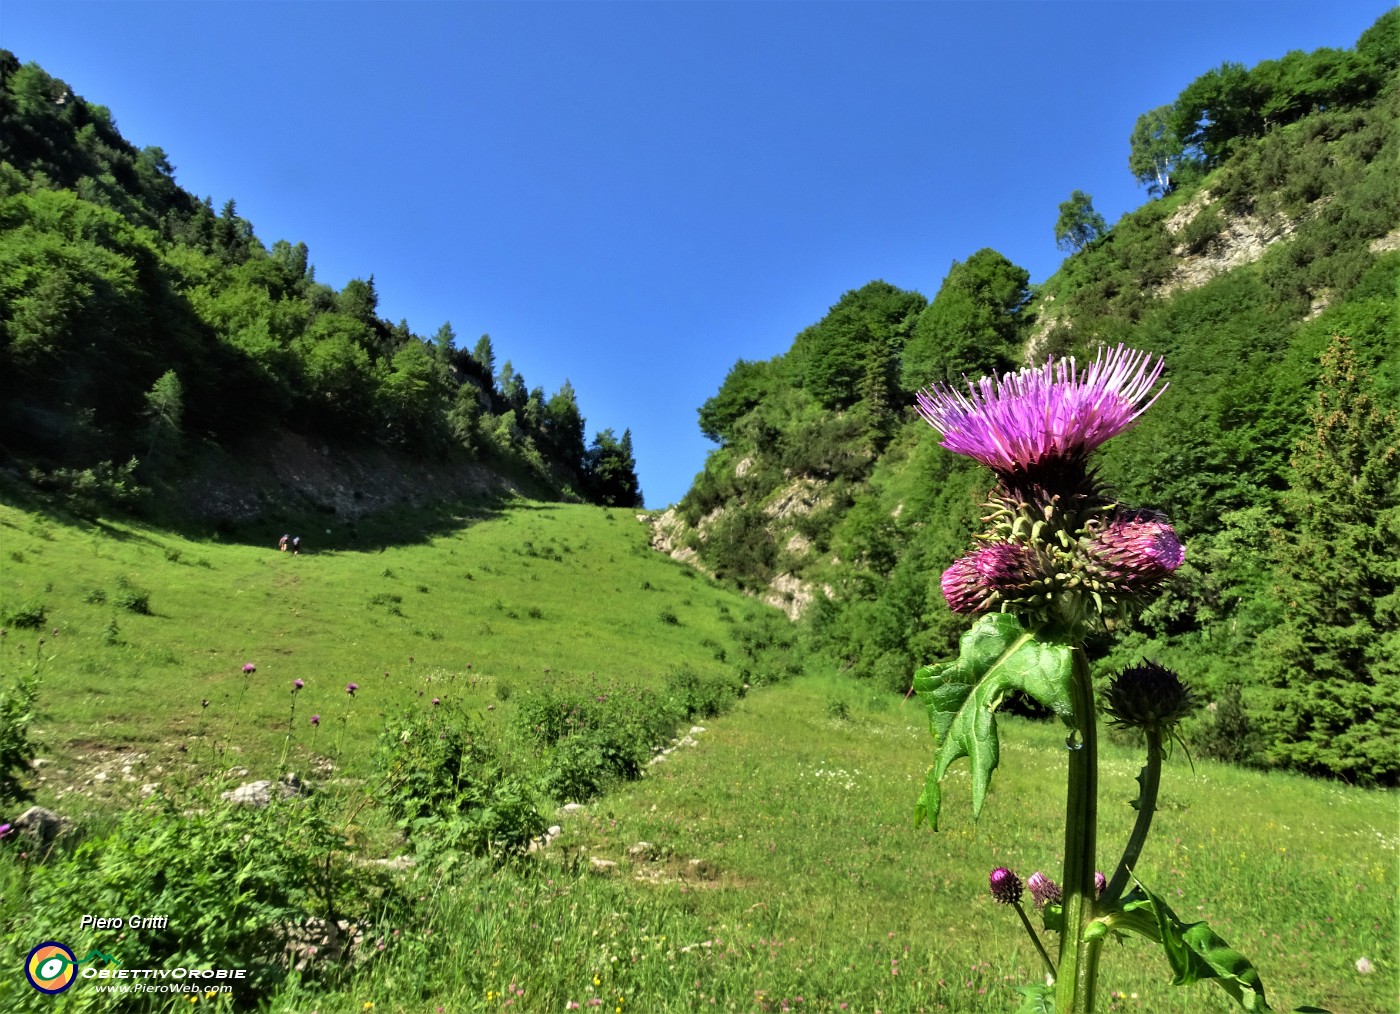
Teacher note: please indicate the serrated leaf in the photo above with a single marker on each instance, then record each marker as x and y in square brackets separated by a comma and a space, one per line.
[1194, 950]
[1036, 1000]
[996, 656]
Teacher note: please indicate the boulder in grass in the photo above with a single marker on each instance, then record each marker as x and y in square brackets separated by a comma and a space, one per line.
[41, 826]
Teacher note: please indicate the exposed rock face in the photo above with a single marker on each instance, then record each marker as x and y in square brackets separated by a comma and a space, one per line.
[1241, 241]
[344, 483]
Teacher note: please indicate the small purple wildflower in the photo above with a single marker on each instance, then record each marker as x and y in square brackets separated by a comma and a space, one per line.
[1005, 886]
[1100, 882]
[249, 668]
[5, 830]
[436, 701]
[297, 685]
[1044, 890]
[1040, 414]
[315, 719]
[350, 688]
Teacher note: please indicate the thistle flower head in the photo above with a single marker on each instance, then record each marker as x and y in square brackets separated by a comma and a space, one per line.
[1005, 886]
[249, 668]
[973, 582]
[1043, 415]
[1044, 890]
[350, 688]
[297, 685]
[1135, 552]
[1100, 883]
[5, 830]
[1150, 697]
[315, 719]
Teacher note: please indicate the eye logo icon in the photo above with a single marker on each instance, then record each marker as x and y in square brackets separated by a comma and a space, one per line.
[51, 967]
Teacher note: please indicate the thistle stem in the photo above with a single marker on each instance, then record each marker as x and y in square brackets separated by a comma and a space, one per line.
[1079, 959]
[1035, 939]
[1149, 781]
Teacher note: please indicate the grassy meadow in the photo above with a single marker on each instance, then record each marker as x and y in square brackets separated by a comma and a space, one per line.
[769, 863]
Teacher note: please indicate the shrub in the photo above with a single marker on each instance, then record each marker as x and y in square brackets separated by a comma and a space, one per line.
[30, 615]
[265, 872]
[449, 790]
[17, 750]
[701, 696]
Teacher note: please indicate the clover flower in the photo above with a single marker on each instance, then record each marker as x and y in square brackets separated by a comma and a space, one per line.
[1005, 886]
[1043, 415]
[1044, 890]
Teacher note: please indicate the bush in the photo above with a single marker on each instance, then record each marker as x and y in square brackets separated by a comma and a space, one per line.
[30, 615]
[264, 872]
[17, 750]
[589, 736]
[449, 790]
[701, 696]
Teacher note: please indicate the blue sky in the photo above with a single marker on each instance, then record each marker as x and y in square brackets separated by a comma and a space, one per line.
[633, 196]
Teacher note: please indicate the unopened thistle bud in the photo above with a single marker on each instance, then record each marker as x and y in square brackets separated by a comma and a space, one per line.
[1149, 697]
[1134, 553]
[1005, 886]
[975, 583]
[1044, 890]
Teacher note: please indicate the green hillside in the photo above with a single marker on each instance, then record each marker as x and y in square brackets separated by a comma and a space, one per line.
[1266, 271]
[146, 339]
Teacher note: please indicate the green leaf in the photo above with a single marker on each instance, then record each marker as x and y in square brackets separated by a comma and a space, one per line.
[1194, 951]
[1036, 1000]
[996, 656]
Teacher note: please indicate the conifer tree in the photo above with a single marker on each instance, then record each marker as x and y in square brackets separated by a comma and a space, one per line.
[1331, 670]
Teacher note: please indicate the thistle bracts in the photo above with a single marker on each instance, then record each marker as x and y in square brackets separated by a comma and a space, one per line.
[1150, 697]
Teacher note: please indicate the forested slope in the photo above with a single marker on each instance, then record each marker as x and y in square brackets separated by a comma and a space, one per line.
[141, 330]
[1264, 268]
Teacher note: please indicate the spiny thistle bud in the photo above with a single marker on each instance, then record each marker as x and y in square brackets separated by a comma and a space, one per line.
[1134, 553]
[976, 582]
[1150, 697]
[1005, 886]
[1044, 890]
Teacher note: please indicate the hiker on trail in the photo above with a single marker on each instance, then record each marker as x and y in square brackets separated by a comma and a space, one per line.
[296, 545]
[282, 544]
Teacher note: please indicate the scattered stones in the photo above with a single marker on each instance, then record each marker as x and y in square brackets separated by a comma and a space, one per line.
[259, 793]
[602, 867]
[569, 809]
[319, 940]
[546, 839]
[41, 826]
[643, 851]
[702, 869]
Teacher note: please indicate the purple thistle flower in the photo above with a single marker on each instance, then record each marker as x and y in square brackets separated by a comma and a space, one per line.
[971, 580]
[350, 688]
[1044, 890]
[5, 830]
[315, 719]
[1005, 886]
[1100, 882]
[297, 685]
[249, 668]
[436, 702]
[1051, 413]
[1135, 552]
